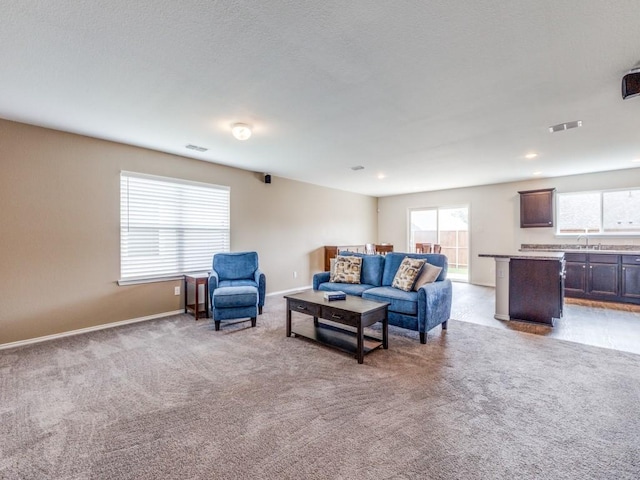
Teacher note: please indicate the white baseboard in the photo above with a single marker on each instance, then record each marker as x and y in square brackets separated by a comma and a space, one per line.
[291, 290]
[80, 331]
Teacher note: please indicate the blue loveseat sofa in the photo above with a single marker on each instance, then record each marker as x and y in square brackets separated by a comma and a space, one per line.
[419, 311]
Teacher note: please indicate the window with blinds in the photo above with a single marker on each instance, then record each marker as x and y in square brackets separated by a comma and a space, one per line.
[169, 227]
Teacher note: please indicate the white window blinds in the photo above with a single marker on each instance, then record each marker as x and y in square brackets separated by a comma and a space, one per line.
[170, 227]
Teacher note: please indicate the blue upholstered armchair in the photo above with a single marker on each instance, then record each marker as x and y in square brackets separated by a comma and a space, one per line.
[237, 269]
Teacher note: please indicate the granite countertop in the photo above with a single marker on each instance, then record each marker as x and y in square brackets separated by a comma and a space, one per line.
[606, 249]
[532, 255]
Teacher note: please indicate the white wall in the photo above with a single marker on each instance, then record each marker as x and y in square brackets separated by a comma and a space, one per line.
[494, 212]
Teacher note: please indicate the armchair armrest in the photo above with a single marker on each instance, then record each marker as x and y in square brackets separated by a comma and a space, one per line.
[261, 281]
[213, 284]
[319, 278]
[434, 304]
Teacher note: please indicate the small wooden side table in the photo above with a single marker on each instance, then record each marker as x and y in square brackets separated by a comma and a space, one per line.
[198, 307]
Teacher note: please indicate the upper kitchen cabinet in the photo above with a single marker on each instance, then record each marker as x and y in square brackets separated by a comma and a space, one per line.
[536, 208]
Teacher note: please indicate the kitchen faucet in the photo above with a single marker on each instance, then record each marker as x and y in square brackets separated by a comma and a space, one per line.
[586, 241]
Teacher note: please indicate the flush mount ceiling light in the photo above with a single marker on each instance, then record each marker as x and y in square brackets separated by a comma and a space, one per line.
[241, 131]
[530, 156]
[565, 126]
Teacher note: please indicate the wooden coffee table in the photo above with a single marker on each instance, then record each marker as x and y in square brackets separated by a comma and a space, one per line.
[351, 316]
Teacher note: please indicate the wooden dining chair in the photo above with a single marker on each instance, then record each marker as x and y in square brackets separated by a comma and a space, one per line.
[437, 248]
[369, 248]
[423, 248]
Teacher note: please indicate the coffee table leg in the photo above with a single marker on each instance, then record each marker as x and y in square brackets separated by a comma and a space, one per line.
[288, 320]
[385, 333]
[360, 351]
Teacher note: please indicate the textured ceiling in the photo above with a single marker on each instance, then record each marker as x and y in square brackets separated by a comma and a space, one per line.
[431, 94]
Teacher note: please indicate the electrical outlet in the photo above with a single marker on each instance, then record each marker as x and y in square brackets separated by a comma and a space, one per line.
[176, 290]
[295, 274]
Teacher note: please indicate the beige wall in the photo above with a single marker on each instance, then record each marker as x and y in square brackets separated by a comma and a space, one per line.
[494, 212]
[60, 250]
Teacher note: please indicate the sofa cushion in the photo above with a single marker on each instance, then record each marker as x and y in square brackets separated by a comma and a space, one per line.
[348, 288]
[393, 260]
[399, 300]
[428, 274]
[372, 267]
[407, 273]
[230, 297]
[237, 283]
[347, 269]
[235, 265]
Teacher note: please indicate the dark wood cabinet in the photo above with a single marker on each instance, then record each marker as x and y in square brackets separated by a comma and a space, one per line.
[575, 283]
[603, 274]
[630, 285]
[536, 290]
[536, 208]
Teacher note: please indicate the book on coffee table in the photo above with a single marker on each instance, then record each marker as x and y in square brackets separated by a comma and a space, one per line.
[338, 295]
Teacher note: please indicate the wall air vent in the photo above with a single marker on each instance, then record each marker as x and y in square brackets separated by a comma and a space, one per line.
[565, 126]
[196, 148]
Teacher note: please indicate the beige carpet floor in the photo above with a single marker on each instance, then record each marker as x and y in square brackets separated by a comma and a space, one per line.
[172, 399]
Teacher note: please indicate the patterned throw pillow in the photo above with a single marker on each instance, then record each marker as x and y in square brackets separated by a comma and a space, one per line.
[346, 270]
[407, 273]
[428, 274]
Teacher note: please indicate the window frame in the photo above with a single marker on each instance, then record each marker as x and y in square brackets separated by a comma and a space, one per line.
[600, 232]
[169, 210]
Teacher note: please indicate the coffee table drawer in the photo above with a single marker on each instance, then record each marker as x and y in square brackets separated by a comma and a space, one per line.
[340, 316]
[304, 307]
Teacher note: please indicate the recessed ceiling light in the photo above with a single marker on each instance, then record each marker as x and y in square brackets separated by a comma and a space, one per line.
[636, 160]
[530, 156]
[381, 176]
[537, 173]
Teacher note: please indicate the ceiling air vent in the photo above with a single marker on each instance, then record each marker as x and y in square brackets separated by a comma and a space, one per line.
[565, 126]
[196, 148]
[357, 167]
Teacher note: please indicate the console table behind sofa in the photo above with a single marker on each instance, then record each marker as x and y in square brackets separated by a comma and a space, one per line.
[331, 251]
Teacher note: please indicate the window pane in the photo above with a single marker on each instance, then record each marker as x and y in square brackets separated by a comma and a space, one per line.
[170, 226]
[621, 211]
[424, 226]
[579, 212]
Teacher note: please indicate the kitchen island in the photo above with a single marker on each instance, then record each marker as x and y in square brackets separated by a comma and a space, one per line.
[529, 286]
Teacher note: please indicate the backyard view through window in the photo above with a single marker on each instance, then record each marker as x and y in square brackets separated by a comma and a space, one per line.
[614, 212]
[447, 227]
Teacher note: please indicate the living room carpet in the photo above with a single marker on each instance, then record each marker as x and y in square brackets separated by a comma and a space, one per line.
[173, 399]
